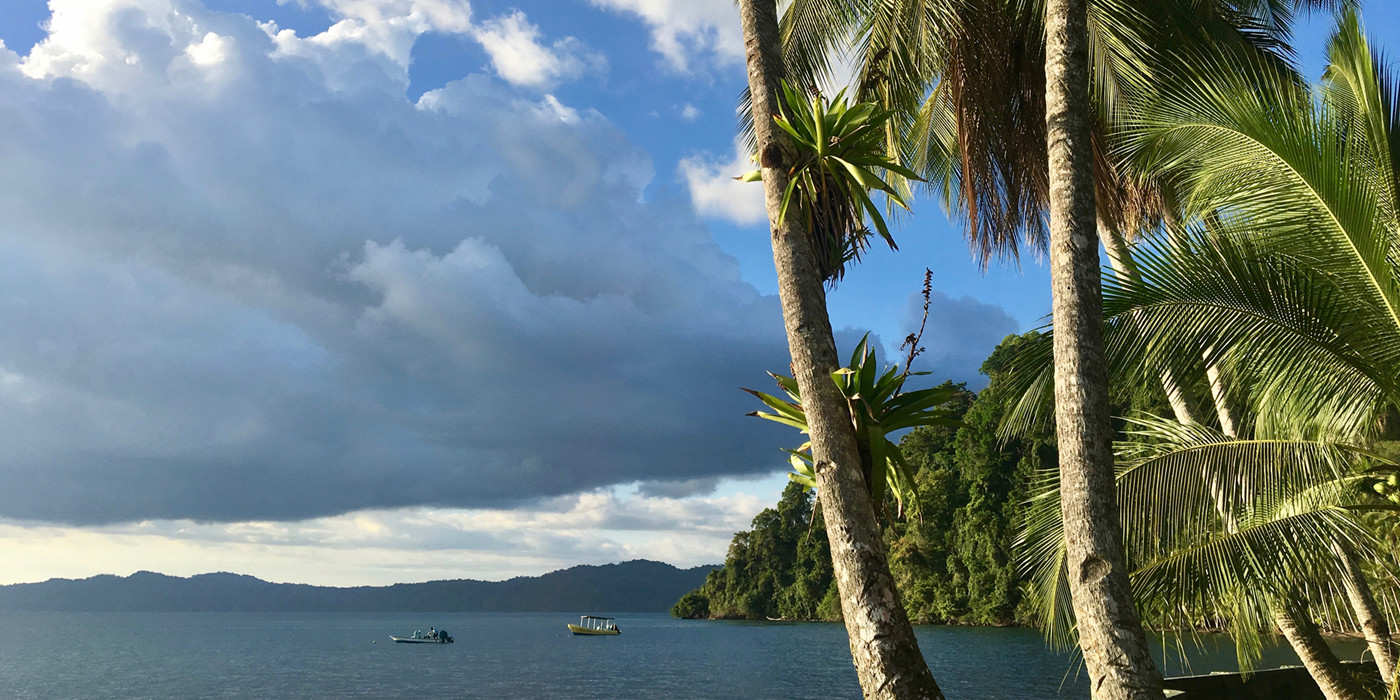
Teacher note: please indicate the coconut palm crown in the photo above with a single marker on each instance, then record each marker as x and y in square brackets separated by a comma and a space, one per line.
[1291, 263]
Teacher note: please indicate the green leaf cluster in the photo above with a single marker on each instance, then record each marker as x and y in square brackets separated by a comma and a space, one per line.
[879, 407]
[841, 159]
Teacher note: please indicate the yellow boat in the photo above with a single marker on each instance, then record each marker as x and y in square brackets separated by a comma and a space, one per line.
[588, 624]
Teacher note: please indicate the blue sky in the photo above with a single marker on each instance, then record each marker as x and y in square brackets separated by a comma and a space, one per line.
[363, 291]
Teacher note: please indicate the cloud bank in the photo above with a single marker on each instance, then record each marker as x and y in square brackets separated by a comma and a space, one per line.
[245, 279]
[380, 547]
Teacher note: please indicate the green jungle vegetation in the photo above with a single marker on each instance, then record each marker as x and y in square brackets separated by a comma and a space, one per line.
[951, 555]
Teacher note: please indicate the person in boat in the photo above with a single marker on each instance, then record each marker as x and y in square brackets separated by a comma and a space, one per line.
[432, 633]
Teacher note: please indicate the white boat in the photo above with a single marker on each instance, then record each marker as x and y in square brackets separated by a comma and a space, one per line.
[433, 636]
[588, 625]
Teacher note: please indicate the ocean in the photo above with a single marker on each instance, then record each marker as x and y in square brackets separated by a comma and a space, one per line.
[526, 655]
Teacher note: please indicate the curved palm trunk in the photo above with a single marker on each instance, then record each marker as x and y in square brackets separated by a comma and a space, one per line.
[1110, 632]
[1307, 642]
[1220, 393]
[1316, 656]
[1368, 614]
[883, 648]
[1122, 261]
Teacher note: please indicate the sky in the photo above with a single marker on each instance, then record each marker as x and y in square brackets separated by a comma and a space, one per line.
[354, 292]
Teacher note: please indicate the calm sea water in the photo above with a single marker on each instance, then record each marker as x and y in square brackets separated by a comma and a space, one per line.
[246, 655]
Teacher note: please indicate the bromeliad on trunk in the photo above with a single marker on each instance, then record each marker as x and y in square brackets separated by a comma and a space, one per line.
[879, 407]
[840, 160]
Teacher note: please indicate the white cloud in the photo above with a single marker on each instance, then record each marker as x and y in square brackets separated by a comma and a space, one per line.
[391, 26]
[687, 32]
[114, 40]
[690, 112]
[715, 192]
[212, 50]
[551, 106]
[378, 547]
[116, 45]
[518, 55]
[452, 16]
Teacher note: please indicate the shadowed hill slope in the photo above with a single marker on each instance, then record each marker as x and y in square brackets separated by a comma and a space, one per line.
[634, 586]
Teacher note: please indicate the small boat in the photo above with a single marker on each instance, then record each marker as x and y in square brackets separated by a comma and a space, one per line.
[433, 636]
[588, 624]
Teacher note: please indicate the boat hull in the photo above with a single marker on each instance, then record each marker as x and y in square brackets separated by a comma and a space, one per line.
[419, 640]
[591, 632]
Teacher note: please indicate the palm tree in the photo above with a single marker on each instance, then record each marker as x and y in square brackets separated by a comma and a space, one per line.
[1293, 277]
[972, 105]
[1322, 205]
[886, 654]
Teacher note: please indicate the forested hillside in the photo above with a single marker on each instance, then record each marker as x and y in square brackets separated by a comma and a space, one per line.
[634, 586]
[951, 556]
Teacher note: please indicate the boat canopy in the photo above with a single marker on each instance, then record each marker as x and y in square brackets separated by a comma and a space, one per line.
[595, 623]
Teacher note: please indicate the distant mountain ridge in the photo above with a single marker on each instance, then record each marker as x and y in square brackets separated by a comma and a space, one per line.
[634, 586]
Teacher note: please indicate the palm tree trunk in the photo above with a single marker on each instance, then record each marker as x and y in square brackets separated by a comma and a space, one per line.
[1368, 614]
[886, 655]
[1220, 393]
[1110, 631]
[1316, 656]
[1121, 260]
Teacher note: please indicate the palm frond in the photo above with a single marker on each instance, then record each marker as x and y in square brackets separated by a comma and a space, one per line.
[1307, 343]
[1217, 531]
[1247, 144]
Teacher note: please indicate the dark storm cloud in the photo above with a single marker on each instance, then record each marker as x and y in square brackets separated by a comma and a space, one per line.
[243, 278]
[680, 488]
[268, 287]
